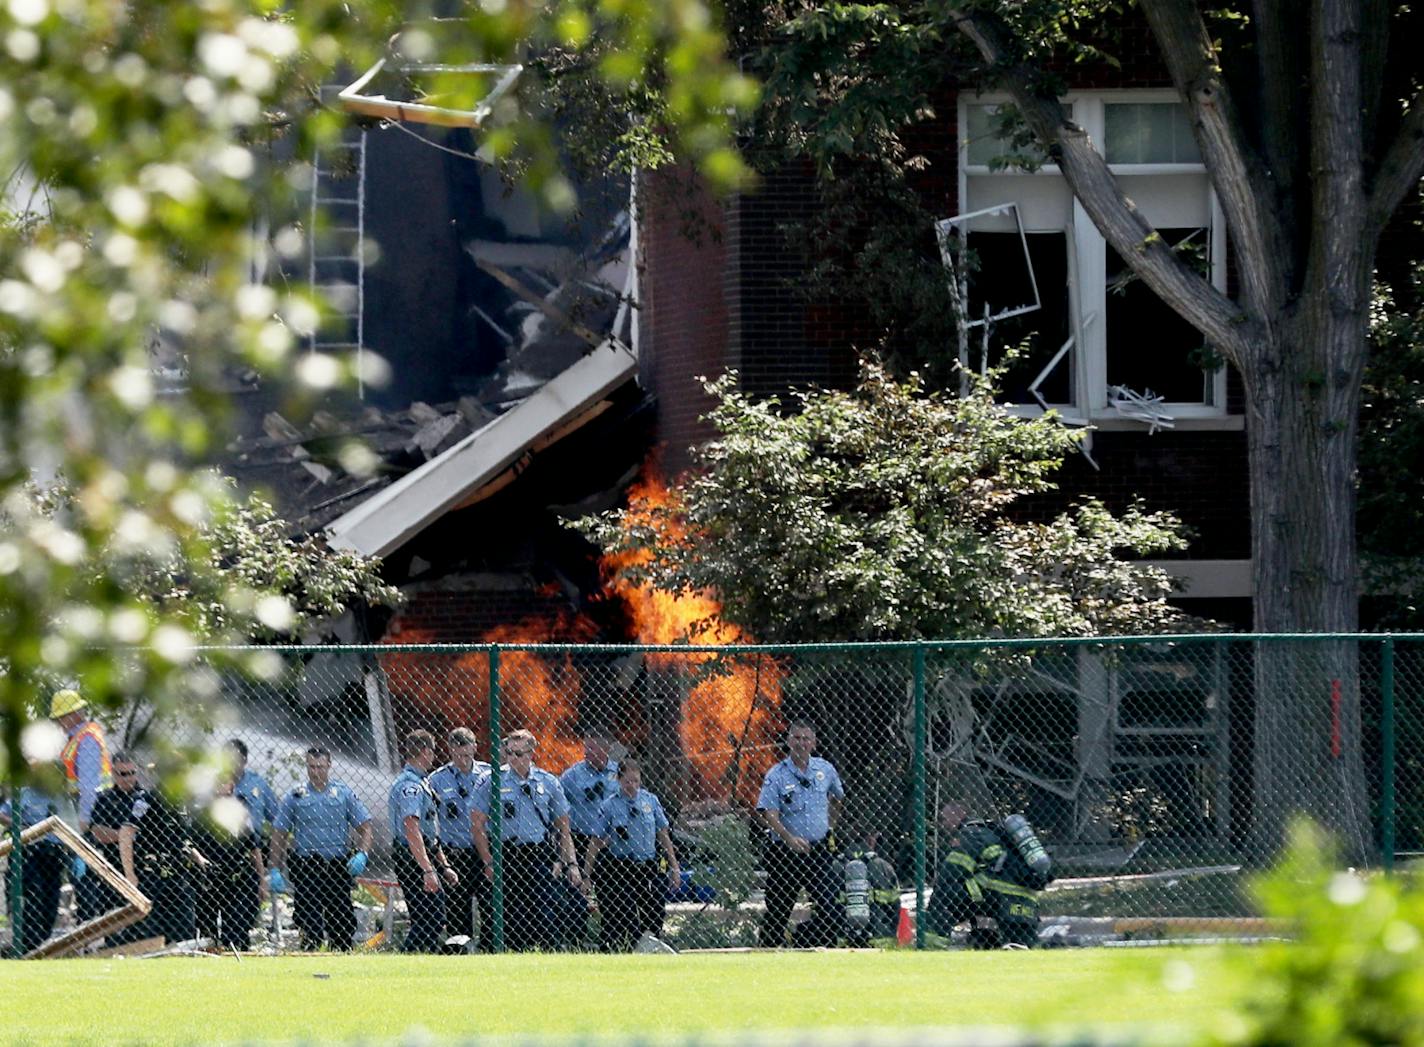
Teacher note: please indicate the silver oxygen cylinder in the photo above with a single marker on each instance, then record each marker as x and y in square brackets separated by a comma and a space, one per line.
[857, 893]
[1026, 842]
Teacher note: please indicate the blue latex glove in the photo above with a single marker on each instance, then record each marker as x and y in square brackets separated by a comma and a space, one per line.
[77, 868]
[356, 864]
[277, 881]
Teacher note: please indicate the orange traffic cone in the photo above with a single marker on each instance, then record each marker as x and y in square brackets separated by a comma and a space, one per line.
[905, 931]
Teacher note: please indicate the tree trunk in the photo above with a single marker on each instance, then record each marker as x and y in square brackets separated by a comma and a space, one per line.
[1302, 404]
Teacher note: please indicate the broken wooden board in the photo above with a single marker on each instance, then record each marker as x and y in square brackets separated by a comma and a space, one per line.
[136, 906]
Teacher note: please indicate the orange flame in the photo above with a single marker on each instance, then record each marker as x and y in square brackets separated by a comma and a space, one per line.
[728, 704]
[539, 693]
[728, 723]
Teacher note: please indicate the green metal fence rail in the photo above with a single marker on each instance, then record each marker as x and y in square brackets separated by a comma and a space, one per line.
[1156, 769]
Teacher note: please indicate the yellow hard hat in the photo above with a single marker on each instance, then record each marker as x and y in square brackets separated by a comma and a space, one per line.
[65, 702]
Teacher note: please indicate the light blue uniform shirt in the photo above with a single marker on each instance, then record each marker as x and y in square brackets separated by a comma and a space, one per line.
[586, 789]
[455, 793]
[321, 822]
[411, 796]
[253, 790]
[801, 798]
[530, 804]
[35, 807]
[631, 826]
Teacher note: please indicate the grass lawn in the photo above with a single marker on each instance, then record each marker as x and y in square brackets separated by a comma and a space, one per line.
[1164, 993]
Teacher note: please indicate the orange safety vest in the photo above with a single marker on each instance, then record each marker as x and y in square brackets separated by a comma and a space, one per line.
[70, 755]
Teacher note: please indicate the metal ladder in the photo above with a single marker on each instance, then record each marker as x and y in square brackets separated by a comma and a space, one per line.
[336, 246]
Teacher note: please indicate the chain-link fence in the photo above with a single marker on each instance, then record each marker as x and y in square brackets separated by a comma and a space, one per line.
[812, 795]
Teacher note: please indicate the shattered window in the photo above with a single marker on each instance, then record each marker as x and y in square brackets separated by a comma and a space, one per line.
[1150, 347]
[1000, 280]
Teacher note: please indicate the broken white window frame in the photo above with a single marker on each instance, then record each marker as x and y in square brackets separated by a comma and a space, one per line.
[962, 225]
[959, 225]
[1088, 254]
[354, 100]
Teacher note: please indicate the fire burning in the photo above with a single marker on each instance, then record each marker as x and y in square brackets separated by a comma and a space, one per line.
[728, 717]
[707, 720]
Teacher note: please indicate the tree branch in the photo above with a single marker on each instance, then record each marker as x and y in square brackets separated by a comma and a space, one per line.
[1216, 316]
[1244, 188]
[1399, 171]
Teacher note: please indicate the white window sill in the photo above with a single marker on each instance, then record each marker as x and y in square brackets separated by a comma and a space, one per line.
[1112, 422]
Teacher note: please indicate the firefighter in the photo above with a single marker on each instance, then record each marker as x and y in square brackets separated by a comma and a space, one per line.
[986, 880]
[884, 890]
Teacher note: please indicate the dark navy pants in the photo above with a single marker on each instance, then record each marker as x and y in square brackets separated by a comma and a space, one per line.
[426, 908]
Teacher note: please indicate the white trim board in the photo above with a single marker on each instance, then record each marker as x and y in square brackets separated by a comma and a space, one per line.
[1210, 579]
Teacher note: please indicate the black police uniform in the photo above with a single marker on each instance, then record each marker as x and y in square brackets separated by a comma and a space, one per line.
[43, 864]
[229, 893]
[161, 860]
[110, 811]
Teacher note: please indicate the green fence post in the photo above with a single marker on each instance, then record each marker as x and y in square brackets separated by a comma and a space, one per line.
[17, 872]
[919, 765]
[496, 809]
[1387, 753]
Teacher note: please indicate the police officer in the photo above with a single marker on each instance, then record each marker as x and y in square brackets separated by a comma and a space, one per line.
[586, 785]
[43, 862]
[631, 889]
[536, 842]
[157, 853]
[454, 785]
[252, 789]
[984, 881]
[421, 867]
[230, 890]
[87, 766]
[111, 811]
[319, 819]
[800, 804]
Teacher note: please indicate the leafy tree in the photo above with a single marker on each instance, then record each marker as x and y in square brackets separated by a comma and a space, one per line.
[1391, 511]
[1311, 125]
[148, 129]
[887, 513]
[1349, 971]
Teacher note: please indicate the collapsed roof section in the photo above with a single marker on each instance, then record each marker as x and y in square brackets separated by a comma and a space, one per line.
[515, 321]
[486, 460]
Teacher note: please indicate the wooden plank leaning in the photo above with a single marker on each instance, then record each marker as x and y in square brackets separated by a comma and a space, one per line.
[136, 906]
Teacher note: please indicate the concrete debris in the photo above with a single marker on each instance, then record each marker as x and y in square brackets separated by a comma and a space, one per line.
[422, 413]
[439, 435]
[650, 945]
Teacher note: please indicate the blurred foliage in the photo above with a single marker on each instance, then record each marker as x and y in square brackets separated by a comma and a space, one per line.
[143, 144]
[259, 582]
[886, 513]
[1352, 972]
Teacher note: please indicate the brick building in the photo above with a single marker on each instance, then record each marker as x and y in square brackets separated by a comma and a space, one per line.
[726, 298]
